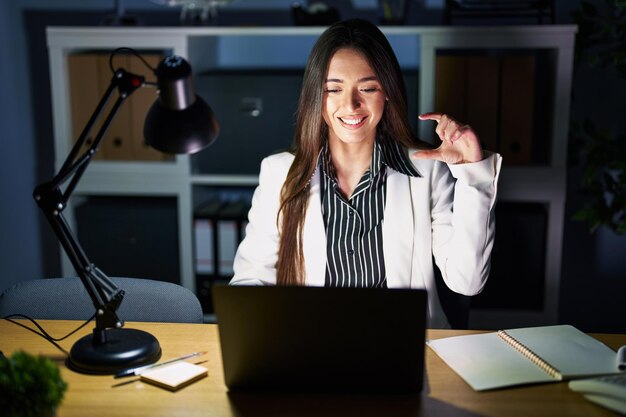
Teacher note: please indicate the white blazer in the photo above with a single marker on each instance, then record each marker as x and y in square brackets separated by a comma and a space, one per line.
[448, 212]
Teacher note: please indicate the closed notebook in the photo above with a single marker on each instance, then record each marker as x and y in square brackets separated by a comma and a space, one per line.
[524, 356]
[175, 376]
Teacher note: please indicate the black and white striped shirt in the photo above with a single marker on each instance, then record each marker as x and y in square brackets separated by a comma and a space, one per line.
[354, 248]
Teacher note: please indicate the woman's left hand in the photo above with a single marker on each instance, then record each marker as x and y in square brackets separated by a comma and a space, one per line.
[459, 142]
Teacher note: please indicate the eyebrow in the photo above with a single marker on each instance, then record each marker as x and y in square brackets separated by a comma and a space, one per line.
[360, 80]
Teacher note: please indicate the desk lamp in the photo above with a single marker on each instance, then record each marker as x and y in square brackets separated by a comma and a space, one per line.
[178, 122]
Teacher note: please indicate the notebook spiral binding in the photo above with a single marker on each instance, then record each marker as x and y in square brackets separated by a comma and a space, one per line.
[534, 358]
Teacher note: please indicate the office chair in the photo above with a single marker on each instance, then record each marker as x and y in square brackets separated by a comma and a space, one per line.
[67, 299]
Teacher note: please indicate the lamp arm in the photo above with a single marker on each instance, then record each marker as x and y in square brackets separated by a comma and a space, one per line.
[52, 200]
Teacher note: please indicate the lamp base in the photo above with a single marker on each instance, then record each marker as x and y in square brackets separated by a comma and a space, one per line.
[124, 348]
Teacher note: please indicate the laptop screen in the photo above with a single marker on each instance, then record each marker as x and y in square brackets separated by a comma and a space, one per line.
[321, 339]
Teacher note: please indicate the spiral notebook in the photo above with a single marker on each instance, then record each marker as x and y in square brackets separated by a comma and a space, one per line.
[525, 356]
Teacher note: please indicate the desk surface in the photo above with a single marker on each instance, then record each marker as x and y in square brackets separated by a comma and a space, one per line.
[445, 394]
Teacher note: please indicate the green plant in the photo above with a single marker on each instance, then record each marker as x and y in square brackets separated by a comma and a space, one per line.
[30, 386]
[601, 46]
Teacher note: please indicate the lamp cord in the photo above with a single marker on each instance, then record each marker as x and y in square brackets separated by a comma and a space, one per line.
[132, 51]
[42, 332]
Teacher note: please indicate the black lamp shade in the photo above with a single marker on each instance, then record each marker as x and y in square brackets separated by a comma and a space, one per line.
[179, 121]
[181, 131]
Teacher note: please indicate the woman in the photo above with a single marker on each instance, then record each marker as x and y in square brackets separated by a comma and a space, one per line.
[350, 205]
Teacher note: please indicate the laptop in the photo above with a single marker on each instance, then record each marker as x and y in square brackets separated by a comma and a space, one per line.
[318, 339]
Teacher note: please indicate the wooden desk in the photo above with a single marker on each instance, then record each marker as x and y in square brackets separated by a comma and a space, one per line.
[445, 394]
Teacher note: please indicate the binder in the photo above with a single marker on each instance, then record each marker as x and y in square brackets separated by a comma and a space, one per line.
[493, 94]
[482, 98]
[139, 103]
[116, 142]
[203, 250]
[516, 109]
[467, 88]
[205, 237]
[450, 86]
[227, 246]
[84, 95]
[230, 232]
[218, 229]
[90, 76]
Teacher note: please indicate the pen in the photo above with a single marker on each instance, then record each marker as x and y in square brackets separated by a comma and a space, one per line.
[621, 358]
[141, 369]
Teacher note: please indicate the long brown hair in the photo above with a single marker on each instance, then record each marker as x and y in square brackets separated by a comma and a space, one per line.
[311, 130]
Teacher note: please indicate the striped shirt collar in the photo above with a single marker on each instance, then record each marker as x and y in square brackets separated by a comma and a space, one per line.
[391, 154]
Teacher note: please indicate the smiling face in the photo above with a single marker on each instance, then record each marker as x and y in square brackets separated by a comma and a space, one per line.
[354, 100]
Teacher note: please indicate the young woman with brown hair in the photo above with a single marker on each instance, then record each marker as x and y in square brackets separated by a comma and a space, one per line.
[359, 201]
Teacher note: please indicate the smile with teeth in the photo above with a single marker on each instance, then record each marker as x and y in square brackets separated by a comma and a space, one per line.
[352, 122]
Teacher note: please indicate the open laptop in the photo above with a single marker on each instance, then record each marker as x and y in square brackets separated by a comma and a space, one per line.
[321, 339]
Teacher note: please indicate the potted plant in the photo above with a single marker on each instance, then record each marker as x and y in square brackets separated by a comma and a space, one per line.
[30, 386]
[601, 46]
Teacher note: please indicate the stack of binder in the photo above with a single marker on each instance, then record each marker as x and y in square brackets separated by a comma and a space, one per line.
[219, 227]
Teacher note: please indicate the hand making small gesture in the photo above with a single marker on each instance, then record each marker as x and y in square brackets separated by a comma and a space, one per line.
[459, 143]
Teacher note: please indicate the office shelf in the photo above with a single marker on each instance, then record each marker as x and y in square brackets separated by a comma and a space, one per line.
[211, 49]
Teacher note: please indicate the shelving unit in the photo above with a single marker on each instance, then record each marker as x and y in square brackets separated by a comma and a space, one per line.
[211, 49]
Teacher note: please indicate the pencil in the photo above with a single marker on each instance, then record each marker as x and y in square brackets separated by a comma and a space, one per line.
[141, 369]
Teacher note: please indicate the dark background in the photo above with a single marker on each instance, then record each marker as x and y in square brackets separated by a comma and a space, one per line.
[593, 281]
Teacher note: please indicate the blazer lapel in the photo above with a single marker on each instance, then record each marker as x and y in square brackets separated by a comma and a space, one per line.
[398, 230]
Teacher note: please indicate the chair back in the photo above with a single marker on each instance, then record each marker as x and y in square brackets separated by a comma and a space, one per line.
[67, 299]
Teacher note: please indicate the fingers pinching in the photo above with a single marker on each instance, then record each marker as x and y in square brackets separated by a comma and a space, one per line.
[456, 135]
[459, 142]
[460, 132]
[449, 127]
